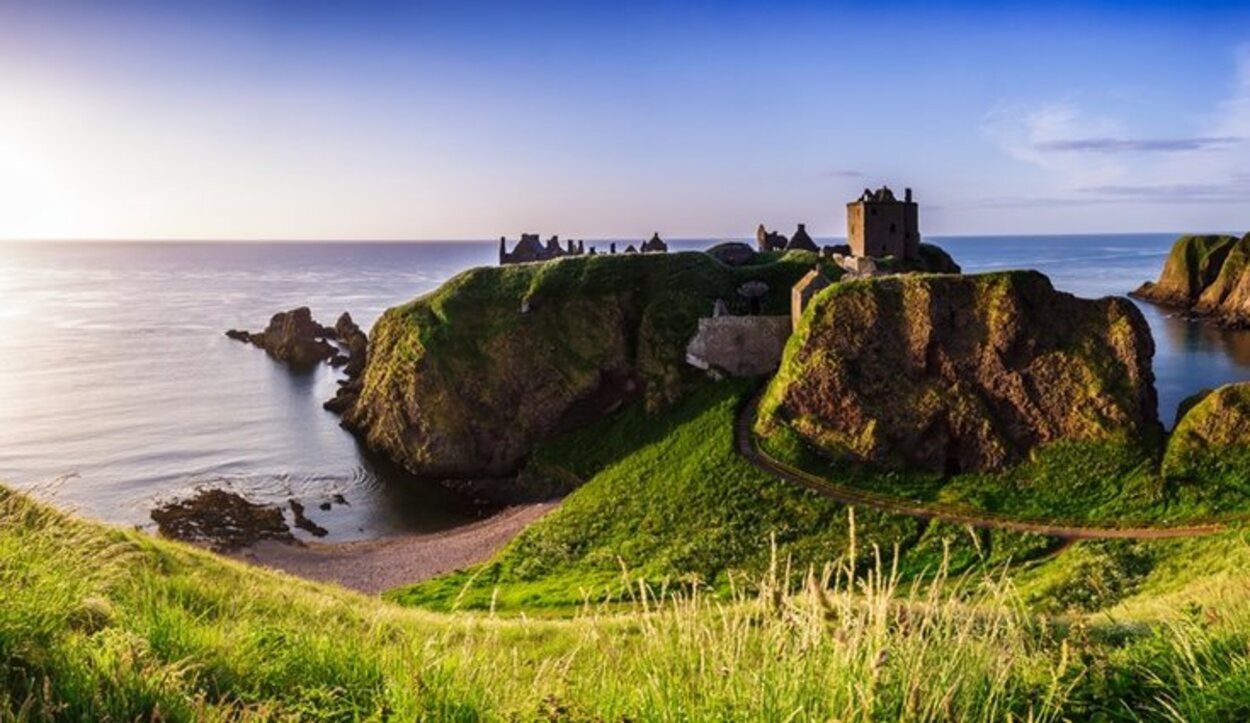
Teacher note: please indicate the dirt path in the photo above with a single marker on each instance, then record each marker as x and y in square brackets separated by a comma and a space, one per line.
[376, 565]
[745, 441]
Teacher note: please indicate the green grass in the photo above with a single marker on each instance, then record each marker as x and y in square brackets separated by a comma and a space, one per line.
[668, 499]
[104, 624]
[1115, 483]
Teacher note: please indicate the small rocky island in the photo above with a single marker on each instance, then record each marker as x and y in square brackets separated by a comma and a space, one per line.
[295, 338]
[1206, 277]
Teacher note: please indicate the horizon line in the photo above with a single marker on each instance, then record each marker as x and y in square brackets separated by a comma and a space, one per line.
[292, 240]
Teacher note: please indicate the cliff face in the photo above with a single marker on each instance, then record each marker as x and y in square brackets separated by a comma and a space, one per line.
[1212, 436]
[961, 373]
[463, 382]
[1207, 275]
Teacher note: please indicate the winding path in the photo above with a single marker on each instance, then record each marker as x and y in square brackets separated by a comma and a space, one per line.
[744, 439]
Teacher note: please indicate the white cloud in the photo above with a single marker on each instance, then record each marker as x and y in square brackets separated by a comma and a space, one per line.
[1091, 159]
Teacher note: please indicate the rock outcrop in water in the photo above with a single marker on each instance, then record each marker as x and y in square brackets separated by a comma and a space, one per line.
[221, 520]
[961, 373]
[295, 338]
[1206, 276]
[357, 345]
[292, 337]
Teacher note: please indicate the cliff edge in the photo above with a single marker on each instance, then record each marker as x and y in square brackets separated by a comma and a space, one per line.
[462, 383]
[961, 373]
[1208, 276]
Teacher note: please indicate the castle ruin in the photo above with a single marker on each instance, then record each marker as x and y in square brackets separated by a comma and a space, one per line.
[530, 249]
[880, 225]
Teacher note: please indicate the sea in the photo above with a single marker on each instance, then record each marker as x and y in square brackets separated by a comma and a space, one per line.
[119, 390]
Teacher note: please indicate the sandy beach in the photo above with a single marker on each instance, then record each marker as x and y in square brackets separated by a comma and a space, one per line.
[375, 565]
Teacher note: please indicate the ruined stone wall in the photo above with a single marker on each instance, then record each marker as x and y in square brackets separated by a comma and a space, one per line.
[740, 346]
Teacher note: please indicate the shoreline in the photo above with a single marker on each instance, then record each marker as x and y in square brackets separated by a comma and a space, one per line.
[373, 566]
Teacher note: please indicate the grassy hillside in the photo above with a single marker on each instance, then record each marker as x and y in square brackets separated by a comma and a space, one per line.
[667, 498]
[109, 625]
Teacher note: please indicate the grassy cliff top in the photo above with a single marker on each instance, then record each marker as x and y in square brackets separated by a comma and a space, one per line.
[1192, 265]
[467, 380]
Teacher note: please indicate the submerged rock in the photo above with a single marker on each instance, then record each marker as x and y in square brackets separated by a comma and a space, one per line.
[961, 373]
[221, 520]
[302, 521]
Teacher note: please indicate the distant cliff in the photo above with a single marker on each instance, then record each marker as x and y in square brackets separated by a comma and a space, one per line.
[1208, 276]
[961, 373]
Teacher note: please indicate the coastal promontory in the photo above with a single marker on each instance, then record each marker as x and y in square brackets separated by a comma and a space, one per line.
[961, 373]
[464, 381]
[1207, 277]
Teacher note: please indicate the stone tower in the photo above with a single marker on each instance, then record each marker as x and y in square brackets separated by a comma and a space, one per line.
[879, 225]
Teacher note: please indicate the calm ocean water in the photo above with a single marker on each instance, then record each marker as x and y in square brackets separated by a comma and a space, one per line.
[119, 389]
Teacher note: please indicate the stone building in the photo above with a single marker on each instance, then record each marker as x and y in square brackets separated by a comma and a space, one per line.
[655, 246]
[880, 225]
[529, 248]
[766, 240]
[801, 241]
[801, 294]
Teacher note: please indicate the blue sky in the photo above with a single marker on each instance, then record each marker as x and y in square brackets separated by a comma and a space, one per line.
[471, 120]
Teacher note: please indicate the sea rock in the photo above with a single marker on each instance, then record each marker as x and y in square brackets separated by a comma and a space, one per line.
[732, 253]
[302, 521]
[1194, 264]
[961, 373]
[1212, 436]
[292, 337]
[460, 385]
[221, 520]
[356, 342]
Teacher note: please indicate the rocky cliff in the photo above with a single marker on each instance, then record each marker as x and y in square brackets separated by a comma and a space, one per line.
[463, 382]
[961, 373]
[1208, 276]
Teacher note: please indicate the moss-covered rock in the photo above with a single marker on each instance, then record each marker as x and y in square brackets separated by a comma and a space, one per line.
[1212, 436]
[1193, 265]
[961, 373]
[463, 382]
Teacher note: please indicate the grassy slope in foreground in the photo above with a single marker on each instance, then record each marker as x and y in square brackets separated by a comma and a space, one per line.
[668, 498]
[108, 624]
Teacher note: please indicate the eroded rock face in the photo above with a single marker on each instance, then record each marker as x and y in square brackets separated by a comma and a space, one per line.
[357, 344]
[462, 384]
[1208, 276]
[961, 373]
[1212, 434]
